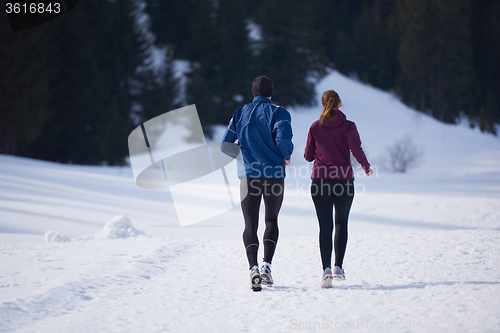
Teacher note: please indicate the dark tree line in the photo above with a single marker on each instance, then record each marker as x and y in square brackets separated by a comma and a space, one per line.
[440, 56]
[72, 90]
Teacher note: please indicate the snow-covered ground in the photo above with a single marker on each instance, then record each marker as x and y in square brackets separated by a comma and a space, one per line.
[423, 252]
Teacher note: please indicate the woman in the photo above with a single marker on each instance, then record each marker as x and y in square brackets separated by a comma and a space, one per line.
[329, 143]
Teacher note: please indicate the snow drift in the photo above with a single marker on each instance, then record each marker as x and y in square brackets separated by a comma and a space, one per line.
[118, 227]
[52, 236]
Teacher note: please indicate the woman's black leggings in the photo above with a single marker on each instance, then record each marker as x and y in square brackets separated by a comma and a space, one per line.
[252, 190]
[326, 194]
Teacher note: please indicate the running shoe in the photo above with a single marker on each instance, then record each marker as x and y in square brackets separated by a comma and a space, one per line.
[327, 278]
[338, 273]
[255, 279]
[266, 274]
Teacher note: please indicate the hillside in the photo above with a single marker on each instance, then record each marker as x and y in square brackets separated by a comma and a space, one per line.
[423, 251]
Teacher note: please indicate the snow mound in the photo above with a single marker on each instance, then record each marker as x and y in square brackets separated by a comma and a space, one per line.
[118, 227]
[52, 236]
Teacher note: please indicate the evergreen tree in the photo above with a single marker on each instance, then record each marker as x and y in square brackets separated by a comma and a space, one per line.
[234, 82]
[485, 32]
[219, 80]
[69, 136]
[122, 52]
[203, 78]
[370, 50]
[171, 22]
[157, 92]
[343, 17]
[286, 55]
[434, 56]
[99, 50]
[325, 21]
[25, 60]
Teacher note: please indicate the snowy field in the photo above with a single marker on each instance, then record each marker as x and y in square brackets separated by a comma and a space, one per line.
[423, 252]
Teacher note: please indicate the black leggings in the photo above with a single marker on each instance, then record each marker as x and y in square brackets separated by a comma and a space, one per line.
[326, 194]
[252, 190]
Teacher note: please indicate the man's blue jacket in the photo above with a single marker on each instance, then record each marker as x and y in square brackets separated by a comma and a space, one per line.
[264, 135]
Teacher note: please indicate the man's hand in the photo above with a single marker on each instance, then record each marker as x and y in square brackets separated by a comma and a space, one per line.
[287, 161]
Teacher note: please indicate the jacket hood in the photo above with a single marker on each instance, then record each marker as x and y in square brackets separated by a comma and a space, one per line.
[339, 119]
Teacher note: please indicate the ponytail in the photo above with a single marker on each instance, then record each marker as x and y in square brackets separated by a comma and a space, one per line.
[330, 101]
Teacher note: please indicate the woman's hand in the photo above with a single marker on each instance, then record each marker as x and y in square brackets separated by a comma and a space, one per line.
[369, 172]
[287, 161]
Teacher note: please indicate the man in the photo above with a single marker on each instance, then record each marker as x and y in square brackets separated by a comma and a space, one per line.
[264, 135]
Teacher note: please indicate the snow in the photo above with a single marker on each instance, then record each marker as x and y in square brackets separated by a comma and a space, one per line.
[254, 31]
[52, 236]
[84, 249]
[119, 226]
[181, 69]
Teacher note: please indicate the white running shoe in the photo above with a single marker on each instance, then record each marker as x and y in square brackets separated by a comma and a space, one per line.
[255, 279]
[327, 278]
[266, 274]
[338, 273]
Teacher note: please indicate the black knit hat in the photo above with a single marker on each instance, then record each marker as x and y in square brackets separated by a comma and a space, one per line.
[262, 86]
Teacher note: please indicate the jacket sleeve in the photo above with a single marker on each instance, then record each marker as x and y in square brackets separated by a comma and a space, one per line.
[282, 131]
[310, 147]
[227, 146]
[354, 143]
[230, 134]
